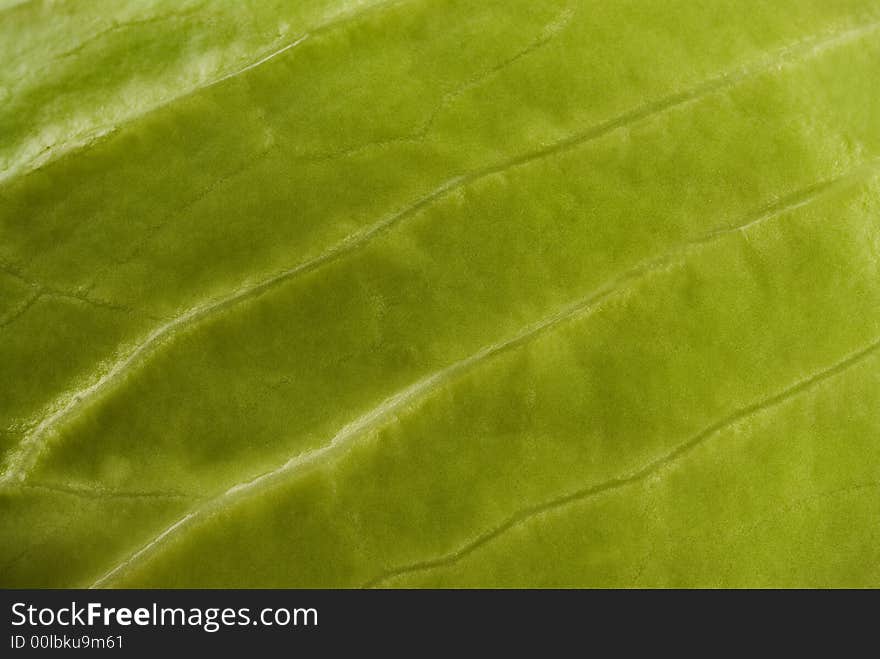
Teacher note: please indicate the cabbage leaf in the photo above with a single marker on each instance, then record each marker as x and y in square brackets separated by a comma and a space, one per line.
[408, 293]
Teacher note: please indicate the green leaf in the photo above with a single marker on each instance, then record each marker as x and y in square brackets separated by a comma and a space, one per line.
[422, 293]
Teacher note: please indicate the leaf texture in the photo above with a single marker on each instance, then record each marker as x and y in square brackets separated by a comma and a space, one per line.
[409, 293]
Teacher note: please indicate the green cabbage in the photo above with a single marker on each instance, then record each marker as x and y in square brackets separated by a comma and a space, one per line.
[440, 293]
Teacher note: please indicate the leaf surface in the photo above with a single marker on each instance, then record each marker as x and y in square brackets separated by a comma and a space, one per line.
[440, 294]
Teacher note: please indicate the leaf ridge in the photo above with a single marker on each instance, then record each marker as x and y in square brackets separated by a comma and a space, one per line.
[548, 34]
[47, 290]
[30, 445]
[371, 420]
[106, 493]
[23, 169]
[682, 450]
[21, 309]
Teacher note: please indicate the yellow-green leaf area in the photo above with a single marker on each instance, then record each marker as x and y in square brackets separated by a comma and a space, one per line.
[399, 293]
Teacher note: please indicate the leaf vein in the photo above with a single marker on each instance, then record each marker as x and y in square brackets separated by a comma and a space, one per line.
[372, 419]
[798, 52]
[23, 169]
[102, 493]
[673, 457]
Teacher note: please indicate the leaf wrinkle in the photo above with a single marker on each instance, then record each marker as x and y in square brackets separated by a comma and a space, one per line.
[673, 457]
[419, 390]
